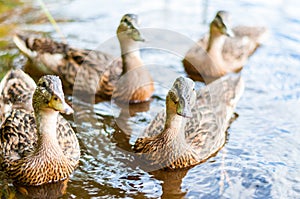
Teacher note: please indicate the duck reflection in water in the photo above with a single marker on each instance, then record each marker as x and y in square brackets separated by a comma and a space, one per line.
[46, 191]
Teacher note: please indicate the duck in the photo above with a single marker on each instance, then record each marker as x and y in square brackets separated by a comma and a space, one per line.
[224, 50]
[40, 147]
[16, 90]
[95, 72]
[193, 126]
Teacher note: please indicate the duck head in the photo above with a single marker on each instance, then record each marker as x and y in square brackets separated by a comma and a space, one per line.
[49, 95]
[221, 24]
[128, 28]
[181, 97]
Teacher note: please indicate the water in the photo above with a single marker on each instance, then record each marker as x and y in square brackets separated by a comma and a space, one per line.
[261, 156]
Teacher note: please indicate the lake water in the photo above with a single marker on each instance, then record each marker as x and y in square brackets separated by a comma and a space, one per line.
[261, 156]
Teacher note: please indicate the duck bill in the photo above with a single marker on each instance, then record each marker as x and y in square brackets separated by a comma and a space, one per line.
[226, 28]
[136, 33]
[61, 106]
[184, 111]
[229, 32]
[67, 109]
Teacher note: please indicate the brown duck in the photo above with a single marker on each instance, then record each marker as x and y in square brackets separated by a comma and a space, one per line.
[96, 72]
[193, 126]
[223, 51]
[40, 147]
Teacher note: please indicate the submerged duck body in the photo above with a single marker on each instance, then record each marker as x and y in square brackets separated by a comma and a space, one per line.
[223, 51]
[193, 127]
[40, 147]
[95, 72]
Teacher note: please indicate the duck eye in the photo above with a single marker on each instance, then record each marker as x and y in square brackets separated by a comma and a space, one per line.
[181, 101]
[126, 20]
[43, 84]
[55, 98]
[219, 17]
[173, 96]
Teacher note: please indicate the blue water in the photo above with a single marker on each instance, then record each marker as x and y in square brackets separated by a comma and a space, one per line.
[261, 156]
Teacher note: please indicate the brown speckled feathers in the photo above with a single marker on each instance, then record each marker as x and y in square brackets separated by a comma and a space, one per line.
[39, 147]
[217, 54]
[91, 71]
[68, 62]
[16, 89]
[19, 138]
[204, 132]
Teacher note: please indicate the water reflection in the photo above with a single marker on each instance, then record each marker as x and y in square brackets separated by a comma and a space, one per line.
[123, 125]
[171, 182]
[51, 191]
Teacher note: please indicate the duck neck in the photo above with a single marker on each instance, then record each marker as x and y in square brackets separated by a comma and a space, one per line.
[131, 58]
[174, 127]
[215, 45]
[46, 120]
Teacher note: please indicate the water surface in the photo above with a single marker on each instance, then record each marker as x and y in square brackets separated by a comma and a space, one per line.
[261, 156]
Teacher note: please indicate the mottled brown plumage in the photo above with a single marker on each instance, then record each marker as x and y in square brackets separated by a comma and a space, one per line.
[40, 147]
[90, 71]
[16, 90]
[188, 133]
[223, 50]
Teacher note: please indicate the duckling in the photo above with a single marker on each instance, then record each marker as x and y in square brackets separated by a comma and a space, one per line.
[193, 127]
[40, 147]
[97, 72]
[223, 51]
[16, 90]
